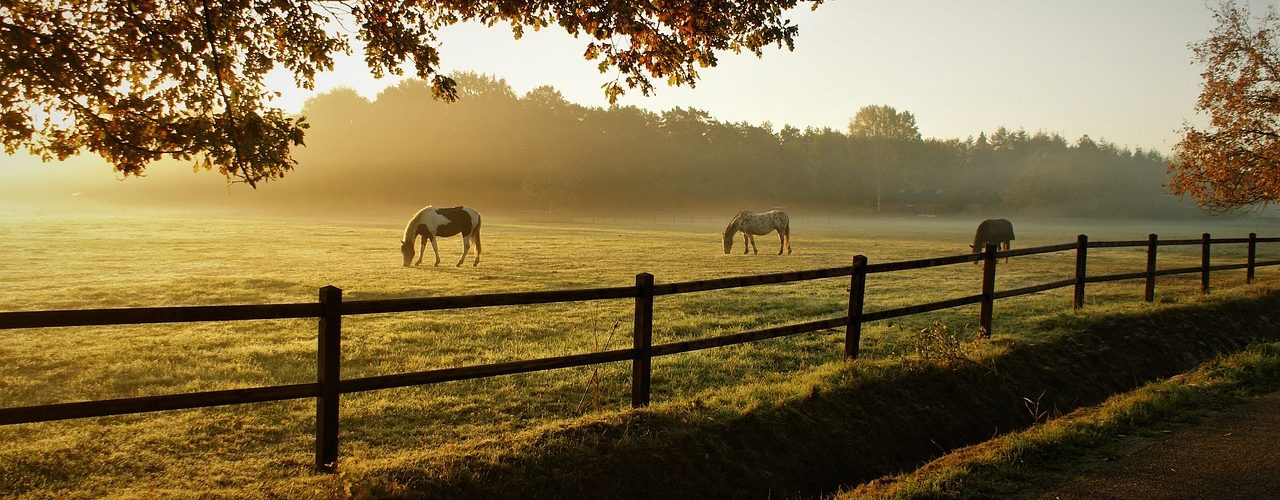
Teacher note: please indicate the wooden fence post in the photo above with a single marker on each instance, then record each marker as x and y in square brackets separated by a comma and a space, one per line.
[1204, 263]
[857, 291]
[1150, 292]
[1253, 256]
[328, 362]
[1082, 255]
[642, 341]
[988, 288]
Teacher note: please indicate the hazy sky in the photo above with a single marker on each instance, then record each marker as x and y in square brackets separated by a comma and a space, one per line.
[1114, 69]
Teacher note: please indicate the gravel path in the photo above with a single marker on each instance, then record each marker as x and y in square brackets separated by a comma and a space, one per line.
[1234, 454]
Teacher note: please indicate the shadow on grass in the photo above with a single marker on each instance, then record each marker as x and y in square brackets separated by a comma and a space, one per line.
[845, 424]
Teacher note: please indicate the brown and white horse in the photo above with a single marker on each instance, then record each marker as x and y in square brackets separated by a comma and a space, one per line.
[752, 224]
[432, 223]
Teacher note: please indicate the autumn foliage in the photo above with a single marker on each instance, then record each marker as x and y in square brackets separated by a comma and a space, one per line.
[1235, 162]
[138, 81]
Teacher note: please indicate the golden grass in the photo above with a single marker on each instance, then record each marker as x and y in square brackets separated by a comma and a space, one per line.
[59, 262]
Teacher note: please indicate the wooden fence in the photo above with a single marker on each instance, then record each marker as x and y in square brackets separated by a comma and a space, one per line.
[330, 309]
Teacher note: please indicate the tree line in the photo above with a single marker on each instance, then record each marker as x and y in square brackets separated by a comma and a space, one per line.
[541, 152]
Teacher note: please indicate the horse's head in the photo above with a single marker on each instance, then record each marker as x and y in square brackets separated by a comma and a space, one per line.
[731, 230]
[406, 249]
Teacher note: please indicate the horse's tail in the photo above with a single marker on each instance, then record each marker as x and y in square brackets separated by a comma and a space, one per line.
[785, 230]
[475, 237]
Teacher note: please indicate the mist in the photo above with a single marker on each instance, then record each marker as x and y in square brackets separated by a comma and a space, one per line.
[540, 153]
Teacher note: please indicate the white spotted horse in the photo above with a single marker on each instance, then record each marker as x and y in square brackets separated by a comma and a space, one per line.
[431, 223]
[753, 224]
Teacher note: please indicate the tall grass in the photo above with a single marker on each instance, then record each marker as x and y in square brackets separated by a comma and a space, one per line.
[100, 261]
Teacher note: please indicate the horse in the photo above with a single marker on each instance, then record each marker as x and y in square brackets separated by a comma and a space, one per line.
[752, 224]
[998, 231]
[432, 223]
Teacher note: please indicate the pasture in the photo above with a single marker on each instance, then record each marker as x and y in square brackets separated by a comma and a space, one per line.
[95, 261]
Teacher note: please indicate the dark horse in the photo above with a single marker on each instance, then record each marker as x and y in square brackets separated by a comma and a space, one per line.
[997, 231]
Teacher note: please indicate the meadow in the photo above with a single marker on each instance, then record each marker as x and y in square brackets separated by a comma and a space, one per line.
[57, 260]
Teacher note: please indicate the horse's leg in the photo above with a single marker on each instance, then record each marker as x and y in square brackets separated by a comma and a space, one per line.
[466, 247]
[754, 250]
[476, 236]
[1006, 246]
[746, 243]
[782, 242]
[422, 250]
[436, 249]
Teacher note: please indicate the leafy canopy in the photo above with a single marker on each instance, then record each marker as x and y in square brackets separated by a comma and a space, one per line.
[884, 122]
[1235, 162]
[136, 81]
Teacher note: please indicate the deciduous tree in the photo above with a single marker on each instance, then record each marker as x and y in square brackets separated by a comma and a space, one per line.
[884, 122]
[885, 129]
[1235, 161]
[138, 81]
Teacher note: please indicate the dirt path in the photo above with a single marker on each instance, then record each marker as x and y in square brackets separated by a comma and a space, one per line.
[1234, 454]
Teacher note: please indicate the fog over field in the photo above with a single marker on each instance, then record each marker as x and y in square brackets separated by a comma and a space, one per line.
[538, 153]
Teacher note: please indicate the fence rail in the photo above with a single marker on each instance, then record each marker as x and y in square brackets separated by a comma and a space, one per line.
[330, 308]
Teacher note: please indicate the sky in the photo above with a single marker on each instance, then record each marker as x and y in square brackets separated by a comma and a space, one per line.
[1118, 70]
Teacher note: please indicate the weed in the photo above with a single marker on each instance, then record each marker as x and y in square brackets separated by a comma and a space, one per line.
[593, 383]
[938, 344]
[1033, 407]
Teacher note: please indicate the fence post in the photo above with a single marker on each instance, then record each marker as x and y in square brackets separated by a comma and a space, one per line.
[1082, 255]
[642, 341]
[1204, 263]
[857, 291]
[1150, 294]
[988, 288]
[1253, 256]
[328, 361]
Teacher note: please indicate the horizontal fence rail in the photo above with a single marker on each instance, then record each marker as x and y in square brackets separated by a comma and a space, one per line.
[331, 307]
[745, 337]
[921, 308]
[1035, 288]
[1036, 250]
[144, 315]
[63, 411]
[485, 300]
[484, 371]
[906, 265]
[742, 281]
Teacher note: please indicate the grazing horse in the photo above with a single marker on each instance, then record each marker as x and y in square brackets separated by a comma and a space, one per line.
[432, 223]
[752, 224]
[998, 231]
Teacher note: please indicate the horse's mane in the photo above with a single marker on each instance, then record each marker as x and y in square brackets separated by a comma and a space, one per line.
[410, 231]
[733, 223]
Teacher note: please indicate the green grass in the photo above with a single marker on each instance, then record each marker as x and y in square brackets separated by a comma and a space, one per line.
[95, 261]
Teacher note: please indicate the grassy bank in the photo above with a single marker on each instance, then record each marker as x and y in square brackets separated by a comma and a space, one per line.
[1009, 465]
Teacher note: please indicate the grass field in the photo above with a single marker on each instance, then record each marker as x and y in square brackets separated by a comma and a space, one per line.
[92, 260]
